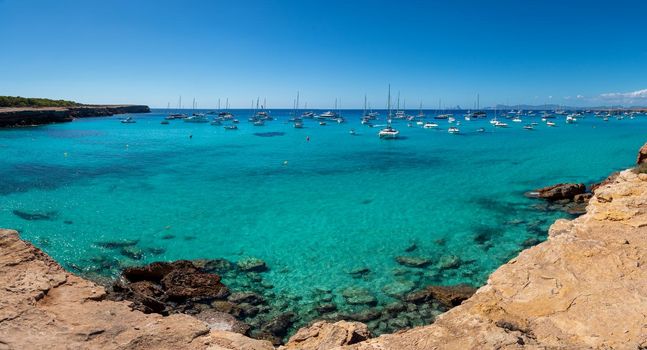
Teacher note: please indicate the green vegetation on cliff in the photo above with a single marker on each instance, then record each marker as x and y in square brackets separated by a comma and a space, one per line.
[11, 101]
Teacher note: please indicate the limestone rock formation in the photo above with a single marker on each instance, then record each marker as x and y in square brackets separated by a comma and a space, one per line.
[325, 335]
[44, 307]
[583, 288]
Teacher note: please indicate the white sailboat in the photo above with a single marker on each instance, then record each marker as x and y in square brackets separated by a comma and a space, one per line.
[388, 132]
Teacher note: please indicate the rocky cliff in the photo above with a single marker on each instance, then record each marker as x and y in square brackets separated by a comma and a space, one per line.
[584, 288]
[26, 116]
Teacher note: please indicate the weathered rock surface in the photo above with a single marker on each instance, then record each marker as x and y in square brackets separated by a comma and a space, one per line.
[324, 335]
[559, 191]
[44, 307]
[642, 155]
[26, 116]
[583, 288]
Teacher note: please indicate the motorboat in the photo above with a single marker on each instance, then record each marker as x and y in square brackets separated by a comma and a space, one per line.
[528, 127]
[430, 125]
[453, 130]
[231, 127]
[549, 123]
[128, 120]
[164, 122]
[388, 133]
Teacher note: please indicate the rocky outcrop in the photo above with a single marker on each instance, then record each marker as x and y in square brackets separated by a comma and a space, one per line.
[25, 116]
[325, 335]
[44, 307]
[559, 192]
[642, 155]
[583, 288]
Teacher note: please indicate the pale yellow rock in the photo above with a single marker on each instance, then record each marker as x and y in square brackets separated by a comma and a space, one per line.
[325, 335]
[584, 288]
[44, 307]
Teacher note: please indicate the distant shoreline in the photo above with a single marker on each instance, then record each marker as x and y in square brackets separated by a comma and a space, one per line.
[32, 116]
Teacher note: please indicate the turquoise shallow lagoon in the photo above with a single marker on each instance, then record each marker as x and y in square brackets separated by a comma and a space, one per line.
[313, 210]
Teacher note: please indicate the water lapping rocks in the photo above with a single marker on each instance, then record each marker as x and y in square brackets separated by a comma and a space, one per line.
[582, 288]
[27, 116]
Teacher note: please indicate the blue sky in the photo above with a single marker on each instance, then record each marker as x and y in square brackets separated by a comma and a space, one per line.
[150, 52]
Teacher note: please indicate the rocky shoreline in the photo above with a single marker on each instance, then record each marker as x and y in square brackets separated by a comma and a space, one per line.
[582, 288]
[27, 116]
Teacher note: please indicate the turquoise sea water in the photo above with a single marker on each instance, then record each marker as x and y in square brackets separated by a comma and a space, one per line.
[313, 210]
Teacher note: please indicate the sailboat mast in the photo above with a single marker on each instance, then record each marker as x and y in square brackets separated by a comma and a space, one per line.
[388, 107]
[364, 105]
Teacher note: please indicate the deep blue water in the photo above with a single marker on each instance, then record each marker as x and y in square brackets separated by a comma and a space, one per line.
[313, 210]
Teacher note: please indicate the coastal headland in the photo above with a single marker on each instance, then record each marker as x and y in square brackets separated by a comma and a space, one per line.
[30, 116]
[583, 288]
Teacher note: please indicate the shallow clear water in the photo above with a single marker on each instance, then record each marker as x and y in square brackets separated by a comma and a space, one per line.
[313, 210]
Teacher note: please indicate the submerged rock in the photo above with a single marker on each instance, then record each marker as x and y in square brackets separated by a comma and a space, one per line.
[559, 191]
[359, 271]
[449, 262]
[118, 244]
[359, 296]
[449, 296]
[398, 288]
[365, 315]
[181, 284]
[246, 297]
[413, 261]
[222, 322]
[279, 325]
[252, 264]
[50, 215]
[132, 252]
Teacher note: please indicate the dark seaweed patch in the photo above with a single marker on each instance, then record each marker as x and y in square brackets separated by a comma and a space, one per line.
[50, 215]
[269, 134]
[118, 244]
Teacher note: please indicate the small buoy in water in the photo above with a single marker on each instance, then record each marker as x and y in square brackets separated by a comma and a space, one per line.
[285, 162]
[126, 145]
[65, 154]
[308, 138]
[167, 227]
[190, 136]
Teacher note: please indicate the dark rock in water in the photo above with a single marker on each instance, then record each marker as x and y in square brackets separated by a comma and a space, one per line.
[219, 266]
[398, 288]
[248, 310]
[222, 321]
[189, 238]
[365, 315]
[132, 252]
[118, 244]
[168, 236]
[440, 241]
[395, 307]
[483, 235]
[145, 295]
[359, 271]
[269, 134]
[156, 251]
[50, 215]
[359, 296]
[413, 246]
[279, 325]
[449, 296]
[398, 323]
[576, 208]
[68, 222]
[252, 264]
[449, 262]
[246, 297]
[182, 284]
[227, 307]
[156, 271]
[326, 308]
[582, 198]
[558, 192]
[412, 261]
